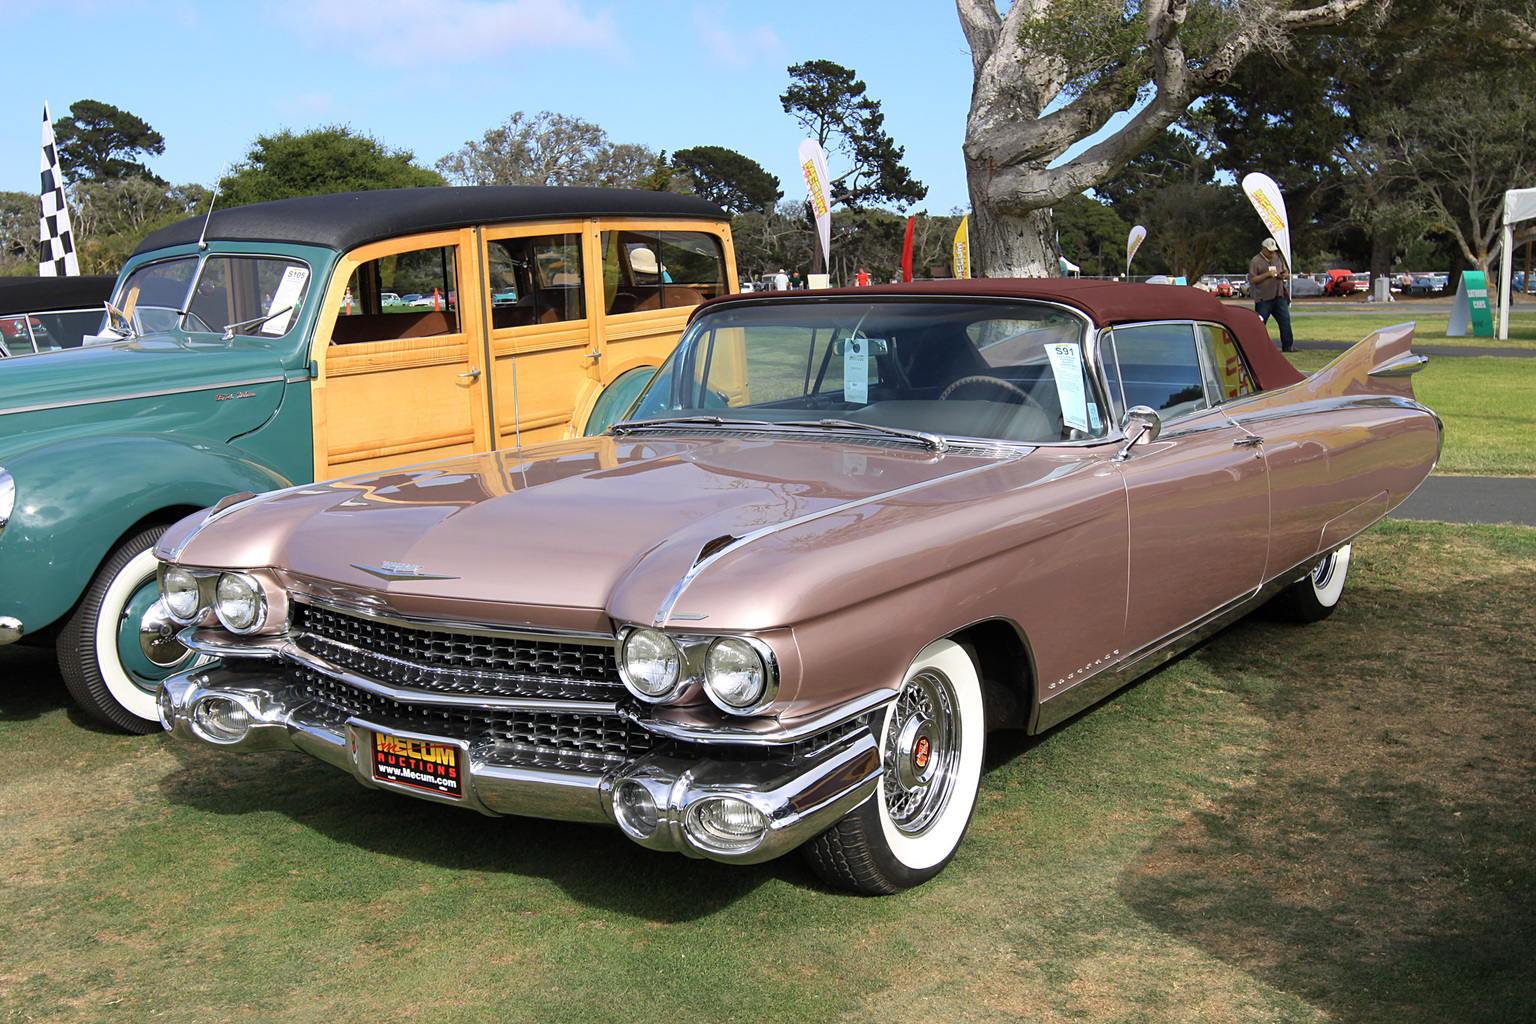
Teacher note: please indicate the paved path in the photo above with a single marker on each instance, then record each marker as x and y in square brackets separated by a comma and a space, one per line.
[1434, 351]
[1472, 499]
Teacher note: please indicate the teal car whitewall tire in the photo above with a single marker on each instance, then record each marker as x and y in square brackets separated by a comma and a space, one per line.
[115, 648]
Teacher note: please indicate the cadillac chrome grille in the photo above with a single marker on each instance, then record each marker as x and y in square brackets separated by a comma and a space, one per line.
[445, 661]
[541, 738]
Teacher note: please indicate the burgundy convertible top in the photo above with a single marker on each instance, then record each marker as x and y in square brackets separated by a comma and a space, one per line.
[1105, 302]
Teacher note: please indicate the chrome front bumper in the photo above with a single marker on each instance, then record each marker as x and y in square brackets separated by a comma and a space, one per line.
[798, 793]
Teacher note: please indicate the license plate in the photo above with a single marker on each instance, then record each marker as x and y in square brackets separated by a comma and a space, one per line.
[420, 764]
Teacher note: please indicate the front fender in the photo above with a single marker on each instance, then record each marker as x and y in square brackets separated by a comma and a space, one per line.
[76, 499]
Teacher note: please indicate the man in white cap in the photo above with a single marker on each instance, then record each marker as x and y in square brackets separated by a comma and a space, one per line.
[1267, 274]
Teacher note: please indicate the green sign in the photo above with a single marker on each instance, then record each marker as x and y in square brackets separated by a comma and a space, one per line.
[1471, 307]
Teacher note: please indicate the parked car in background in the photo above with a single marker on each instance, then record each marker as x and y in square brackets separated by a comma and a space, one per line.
[1340, 282]
[242, 369]
[1428, 284]
[48, 314]
[1305, 286]
[839, 537]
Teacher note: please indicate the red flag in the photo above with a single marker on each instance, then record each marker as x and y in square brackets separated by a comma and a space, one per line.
[906, 252]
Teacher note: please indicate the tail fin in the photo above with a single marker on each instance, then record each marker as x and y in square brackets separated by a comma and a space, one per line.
[1380, 364]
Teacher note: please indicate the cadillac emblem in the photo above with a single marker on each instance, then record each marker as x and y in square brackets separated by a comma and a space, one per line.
[399, 571]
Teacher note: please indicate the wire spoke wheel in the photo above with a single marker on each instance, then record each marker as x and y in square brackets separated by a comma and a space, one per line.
[931, 743]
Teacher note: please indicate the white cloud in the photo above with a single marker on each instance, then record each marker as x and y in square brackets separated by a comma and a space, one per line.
[413, 32]
[737, 49]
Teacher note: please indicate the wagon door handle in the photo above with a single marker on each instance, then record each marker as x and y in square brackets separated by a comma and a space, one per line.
[1249, 441]
[474, 373]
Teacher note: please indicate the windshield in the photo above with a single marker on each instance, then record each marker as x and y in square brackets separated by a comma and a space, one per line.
[1003, 371]
[260, 295]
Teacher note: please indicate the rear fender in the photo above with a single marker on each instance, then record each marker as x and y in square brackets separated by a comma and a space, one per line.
[77, 499]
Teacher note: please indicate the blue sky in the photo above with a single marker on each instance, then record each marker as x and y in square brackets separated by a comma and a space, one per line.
[429, 75]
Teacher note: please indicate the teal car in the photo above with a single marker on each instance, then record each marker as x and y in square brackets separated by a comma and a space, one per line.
[259, 348]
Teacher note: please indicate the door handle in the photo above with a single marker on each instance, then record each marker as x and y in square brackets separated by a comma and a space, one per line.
[473, 374]
[1250, 441]
[594, 354]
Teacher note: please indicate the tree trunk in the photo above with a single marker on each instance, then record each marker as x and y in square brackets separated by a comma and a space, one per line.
[1003, 245]
[1382, 247]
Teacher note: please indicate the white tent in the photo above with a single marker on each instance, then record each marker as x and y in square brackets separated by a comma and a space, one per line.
[1519, 205]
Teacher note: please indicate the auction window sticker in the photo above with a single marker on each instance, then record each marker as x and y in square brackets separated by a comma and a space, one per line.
[856, 370]
[285, 298]
[1067, 367]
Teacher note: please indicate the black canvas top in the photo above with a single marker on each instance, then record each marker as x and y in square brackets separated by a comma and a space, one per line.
[345, 220]
[47, 294]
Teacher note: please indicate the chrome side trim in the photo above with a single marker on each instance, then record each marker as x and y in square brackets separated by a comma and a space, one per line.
[665, 611]
[147, 394]
[1094, 688]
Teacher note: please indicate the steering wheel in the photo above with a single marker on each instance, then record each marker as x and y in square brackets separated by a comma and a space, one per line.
[1013, 389]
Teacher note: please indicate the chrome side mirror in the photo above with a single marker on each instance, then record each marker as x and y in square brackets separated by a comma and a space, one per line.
[1142, 423]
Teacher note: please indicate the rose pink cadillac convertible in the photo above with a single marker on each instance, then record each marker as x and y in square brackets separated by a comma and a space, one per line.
[840, 537]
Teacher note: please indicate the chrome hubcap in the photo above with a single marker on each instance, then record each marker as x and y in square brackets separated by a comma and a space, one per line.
[157, 637]
[921, 752]
[1324, 571]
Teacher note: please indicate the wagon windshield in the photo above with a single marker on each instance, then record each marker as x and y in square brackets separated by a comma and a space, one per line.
[1000, 371]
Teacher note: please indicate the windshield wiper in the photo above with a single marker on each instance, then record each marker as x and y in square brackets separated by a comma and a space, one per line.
[229, 329]
[931, 441]
[624, 426]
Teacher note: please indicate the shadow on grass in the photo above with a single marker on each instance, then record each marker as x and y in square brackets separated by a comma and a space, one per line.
[32, 685]
[1383, 864]
[1371, 899]
[593, 864]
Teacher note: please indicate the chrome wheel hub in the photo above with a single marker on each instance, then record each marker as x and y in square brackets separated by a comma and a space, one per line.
[921, 752]
[157, 637]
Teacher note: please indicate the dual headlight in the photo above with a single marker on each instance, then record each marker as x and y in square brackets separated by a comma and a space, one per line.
[738, 673]
[236, 599]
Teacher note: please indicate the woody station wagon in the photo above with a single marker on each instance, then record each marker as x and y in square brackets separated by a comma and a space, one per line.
[838, 538]
[269, 345]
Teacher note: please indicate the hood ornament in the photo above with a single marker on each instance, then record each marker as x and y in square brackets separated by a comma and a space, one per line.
[400, 571]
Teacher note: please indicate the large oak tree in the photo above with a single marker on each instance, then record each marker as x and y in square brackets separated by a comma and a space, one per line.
[1051, 73]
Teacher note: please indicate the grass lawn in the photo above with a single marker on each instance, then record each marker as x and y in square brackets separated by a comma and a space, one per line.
[1330, 324]
[1292, 824]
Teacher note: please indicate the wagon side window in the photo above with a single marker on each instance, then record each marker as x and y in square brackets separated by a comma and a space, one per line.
[535, 280]
[644, 270]
[412, 294]
[1160, 365]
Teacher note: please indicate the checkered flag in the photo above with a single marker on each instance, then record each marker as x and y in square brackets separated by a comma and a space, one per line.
[56, 256]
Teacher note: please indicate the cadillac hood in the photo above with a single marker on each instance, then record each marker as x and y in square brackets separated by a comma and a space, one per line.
[575, 534]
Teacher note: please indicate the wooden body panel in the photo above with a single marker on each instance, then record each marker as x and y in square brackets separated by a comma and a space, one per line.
[385, 403]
